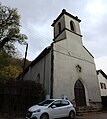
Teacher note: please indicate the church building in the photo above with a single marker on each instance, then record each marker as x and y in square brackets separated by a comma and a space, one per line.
[66, 67]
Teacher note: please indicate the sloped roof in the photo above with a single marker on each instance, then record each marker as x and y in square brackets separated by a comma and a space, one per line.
[88, 51]
[100, 71]
[37, 59]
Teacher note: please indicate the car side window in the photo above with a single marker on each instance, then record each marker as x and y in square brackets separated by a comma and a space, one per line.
[64, 102]
[60, 103]
[57, 103]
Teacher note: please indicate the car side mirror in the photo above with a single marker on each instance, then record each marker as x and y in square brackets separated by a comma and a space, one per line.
[53, 106]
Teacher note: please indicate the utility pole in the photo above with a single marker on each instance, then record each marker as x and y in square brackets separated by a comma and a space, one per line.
[25, 59]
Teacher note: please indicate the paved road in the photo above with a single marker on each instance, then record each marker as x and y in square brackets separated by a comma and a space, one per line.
[97, 115]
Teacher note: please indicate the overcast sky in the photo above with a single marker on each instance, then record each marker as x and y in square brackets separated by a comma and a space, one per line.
[38, 15]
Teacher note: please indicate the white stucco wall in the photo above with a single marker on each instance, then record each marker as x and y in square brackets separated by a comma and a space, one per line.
[43, 67]
[103, 80]
[65, 73]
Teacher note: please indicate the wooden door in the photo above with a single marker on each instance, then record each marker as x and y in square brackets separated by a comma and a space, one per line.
[79, 90]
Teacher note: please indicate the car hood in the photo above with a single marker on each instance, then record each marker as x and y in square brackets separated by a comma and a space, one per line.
[36, 107]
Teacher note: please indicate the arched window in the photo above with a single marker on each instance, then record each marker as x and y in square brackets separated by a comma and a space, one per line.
[38, 78]
[59, 27]
[72, 25]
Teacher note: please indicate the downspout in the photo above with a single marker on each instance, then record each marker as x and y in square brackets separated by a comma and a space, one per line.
[52, 67]
[44, 74]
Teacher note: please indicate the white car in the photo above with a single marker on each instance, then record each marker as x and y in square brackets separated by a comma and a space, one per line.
[52, 108]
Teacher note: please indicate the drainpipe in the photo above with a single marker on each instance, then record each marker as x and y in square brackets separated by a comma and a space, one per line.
[44, 74]
[52, 75]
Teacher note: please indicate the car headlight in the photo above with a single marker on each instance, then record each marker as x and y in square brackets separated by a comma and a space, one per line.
[38, 110]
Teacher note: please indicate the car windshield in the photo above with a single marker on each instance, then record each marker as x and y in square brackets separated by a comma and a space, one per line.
[45, 103]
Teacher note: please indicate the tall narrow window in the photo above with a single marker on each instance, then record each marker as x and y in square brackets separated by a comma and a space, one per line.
[104, 86]
[72, 25]
[38, 78]
[59, 27]
[101, 84]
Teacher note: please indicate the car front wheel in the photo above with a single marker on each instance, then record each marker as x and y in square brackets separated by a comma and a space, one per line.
[72, 115]
[44, 116]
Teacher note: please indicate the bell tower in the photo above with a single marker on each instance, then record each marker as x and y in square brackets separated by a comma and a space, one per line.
[66, 25]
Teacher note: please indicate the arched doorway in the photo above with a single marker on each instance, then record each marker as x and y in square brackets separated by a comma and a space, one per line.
[79, 91]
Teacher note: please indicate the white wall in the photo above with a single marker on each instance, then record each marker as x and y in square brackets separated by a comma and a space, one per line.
[43, 67]
[103, 80]
[65, 73]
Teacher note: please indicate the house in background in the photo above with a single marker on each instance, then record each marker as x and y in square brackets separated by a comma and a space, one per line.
[102, 78]
[66, 67]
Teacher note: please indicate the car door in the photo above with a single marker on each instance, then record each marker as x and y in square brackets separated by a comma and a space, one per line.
[56, 109]
[65, 108]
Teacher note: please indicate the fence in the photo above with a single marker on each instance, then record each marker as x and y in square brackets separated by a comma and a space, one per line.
[18, 96]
